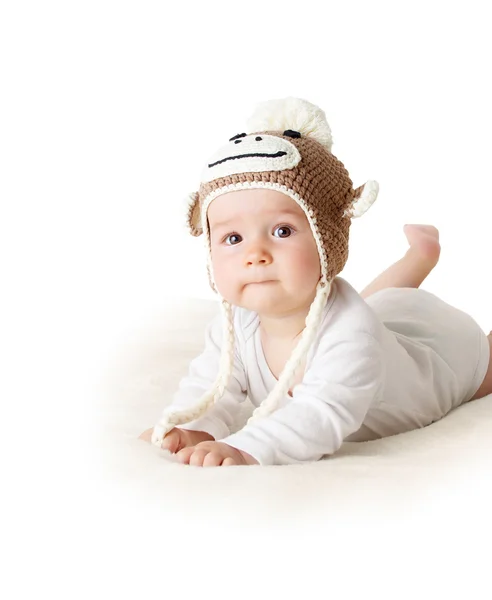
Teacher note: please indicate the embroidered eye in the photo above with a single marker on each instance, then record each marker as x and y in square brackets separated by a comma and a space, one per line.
[235, 137]
[291, 133]
[284, 228]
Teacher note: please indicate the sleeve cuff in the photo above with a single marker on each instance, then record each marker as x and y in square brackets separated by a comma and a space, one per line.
[210, 425]
[246, 442]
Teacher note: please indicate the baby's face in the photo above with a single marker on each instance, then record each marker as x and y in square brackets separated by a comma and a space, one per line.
[264, 255]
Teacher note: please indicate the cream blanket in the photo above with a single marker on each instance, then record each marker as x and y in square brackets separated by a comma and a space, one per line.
[441, 474]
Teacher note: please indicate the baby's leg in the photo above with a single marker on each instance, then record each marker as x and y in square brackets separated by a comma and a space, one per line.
[486, 388]
[413, 268]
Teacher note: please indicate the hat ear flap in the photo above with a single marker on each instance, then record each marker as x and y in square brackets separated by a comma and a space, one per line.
[193, 220]
[364, 197]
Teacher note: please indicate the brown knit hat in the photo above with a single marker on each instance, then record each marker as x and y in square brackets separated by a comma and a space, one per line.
[288, 150]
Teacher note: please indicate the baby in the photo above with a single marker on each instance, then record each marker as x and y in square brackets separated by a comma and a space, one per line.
[320, 362]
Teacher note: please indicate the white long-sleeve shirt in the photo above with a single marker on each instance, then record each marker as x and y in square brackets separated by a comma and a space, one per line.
[398, 360]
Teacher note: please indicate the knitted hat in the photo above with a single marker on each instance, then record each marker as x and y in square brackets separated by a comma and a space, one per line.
[288, 150]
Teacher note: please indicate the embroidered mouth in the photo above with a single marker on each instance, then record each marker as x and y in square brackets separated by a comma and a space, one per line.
[259, 154]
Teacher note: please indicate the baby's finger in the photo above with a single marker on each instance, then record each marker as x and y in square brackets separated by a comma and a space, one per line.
[146, 435]
[184, 455]
[197, 458]
[228, 462]
[171, 442]
[213, 459]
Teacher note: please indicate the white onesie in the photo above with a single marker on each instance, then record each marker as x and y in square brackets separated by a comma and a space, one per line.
[398, 360]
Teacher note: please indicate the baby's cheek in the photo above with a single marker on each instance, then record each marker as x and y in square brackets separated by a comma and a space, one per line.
[306, 264]
[225, 276]
[221, 270]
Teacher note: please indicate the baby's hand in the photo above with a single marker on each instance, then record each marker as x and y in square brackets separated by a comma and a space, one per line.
[214, 454]
[177, 439]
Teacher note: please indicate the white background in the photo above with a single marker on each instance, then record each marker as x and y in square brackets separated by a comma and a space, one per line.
[108, 112]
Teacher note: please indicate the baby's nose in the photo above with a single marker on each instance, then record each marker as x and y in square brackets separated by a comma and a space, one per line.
[258, 256]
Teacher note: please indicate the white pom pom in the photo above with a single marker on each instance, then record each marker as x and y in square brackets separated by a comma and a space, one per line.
[292, 113]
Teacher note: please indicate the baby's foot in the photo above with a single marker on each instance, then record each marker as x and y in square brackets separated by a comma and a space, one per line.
[424, 242]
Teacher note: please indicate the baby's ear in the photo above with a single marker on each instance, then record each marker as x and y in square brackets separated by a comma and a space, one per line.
[364, 197]
[193, 221]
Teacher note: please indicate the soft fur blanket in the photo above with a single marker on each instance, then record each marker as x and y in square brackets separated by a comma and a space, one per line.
[439, 474]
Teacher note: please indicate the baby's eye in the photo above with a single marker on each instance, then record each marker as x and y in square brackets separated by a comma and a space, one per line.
[284, 228]
[232, 236]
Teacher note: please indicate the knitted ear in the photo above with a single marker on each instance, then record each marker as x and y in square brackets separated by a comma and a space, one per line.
[364, 197]
[193, 220]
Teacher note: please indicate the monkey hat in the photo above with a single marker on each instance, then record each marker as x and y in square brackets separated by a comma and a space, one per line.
[288, 149]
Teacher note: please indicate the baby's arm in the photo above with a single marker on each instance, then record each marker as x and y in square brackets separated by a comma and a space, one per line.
[330, 404]
[202, 373]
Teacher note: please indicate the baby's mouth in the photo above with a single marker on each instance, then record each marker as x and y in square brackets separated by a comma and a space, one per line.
[260, 154]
